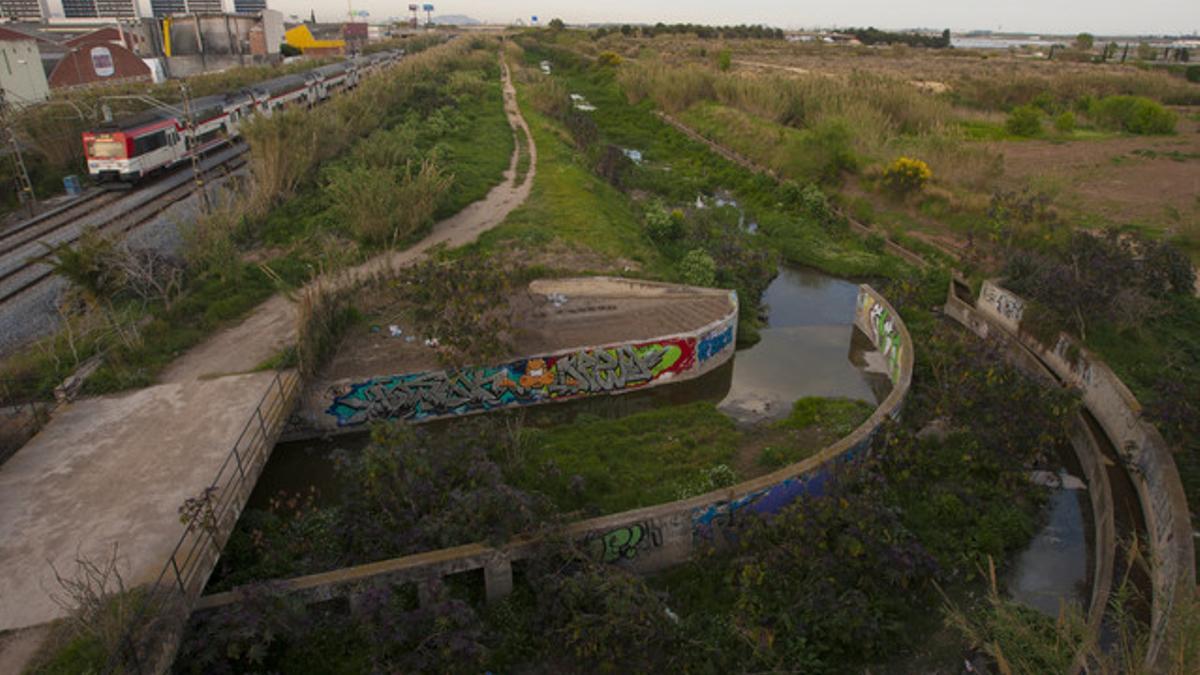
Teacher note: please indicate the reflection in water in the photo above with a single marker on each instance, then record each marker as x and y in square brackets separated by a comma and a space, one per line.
[803, 351]
[1054, 567]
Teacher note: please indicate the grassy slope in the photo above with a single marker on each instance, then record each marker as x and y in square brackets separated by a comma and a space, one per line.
[678, 169]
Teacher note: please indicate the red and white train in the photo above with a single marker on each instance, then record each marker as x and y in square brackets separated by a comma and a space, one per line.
[122, 152]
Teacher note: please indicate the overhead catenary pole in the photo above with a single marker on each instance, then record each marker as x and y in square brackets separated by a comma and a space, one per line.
[193, 147]
[24, 185]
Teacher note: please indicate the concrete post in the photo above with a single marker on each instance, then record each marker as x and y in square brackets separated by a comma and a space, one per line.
[497, 579]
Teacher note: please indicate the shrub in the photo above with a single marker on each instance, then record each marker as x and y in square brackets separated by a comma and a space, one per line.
[1065, 122]
[724, 59]
[1134, 114]
[1192, 73]
[663, 226]
[698, 268]
[384, 206]
[906, 176]
[1025, 120]
[607, 58]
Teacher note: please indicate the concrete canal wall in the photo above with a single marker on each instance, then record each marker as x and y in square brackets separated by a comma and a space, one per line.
[651, 538]
[1146, 456]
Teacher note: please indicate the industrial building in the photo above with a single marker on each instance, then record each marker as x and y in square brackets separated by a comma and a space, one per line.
[249, 6]
[21, 74]
[109, 9]
[25, 10]
[165, 8]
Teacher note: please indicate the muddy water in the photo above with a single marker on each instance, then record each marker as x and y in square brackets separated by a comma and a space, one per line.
[808, 348]
[1054, 567]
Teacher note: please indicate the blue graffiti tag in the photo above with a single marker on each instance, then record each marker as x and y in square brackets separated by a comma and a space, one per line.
[714, 343]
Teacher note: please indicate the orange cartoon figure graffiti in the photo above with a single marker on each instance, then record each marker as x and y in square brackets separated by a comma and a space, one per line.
[537, 375]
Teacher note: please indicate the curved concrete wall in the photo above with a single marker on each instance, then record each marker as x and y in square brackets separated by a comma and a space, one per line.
[350, 404]
[1145, 453]
[655, 537]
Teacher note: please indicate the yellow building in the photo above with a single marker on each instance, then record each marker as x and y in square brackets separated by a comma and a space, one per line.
[302, 37]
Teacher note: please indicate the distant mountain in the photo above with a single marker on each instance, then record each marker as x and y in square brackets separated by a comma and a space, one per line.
[455, 20]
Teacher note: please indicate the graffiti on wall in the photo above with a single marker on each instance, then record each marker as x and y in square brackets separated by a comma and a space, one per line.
[714, 343]
[708, 520]
[883, 332]
[585, 372]
[1004, 303]
[624, 543]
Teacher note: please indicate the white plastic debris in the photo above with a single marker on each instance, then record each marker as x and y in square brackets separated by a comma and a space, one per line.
[634, 155]
[432, 342]
[395, 330]
[557, 299]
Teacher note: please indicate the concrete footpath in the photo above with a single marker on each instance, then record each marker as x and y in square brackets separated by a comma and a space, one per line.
[112, 470]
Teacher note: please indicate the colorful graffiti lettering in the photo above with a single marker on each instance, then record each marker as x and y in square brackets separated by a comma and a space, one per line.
[525, 382]
[883, 332]
[714, 343]
[625, 542]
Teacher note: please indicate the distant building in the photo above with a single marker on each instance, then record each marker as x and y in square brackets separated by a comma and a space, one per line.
[162, 8]
[316, 39]
[249, 6]
[99, 62]
[91, 9]
[21, 74]
[356, 36]
[205, 6]
[25, 10]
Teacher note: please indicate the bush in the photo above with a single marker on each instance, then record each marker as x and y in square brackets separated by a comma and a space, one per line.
[1025, 120]
[1134, 114]
[698, 268]
[906, 176]
[1192, 73]
[663, 226]
[609, 59]
[1065, 123]
[724, 59]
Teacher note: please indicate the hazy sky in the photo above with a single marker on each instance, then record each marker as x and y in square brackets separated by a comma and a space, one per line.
[1049, 16]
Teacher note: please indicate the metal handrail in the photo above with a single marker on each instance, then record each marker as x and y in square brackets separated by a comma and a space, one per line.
[182, 569]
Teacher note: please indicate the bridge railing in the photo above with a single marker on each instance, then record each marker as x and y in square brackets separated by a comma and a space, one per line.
[165, 603]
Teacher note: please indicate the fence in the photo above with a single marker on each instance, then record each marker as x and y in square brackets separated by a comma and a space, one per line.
[21, 414]
[149, 638]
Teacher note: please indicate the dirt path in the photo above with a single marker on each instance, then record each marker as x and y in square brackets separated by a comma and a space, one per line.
[272, 325]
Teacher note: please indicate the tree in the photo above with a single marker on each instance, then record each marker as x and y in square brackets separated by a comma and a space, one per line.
[557, 24]
[1084, 42]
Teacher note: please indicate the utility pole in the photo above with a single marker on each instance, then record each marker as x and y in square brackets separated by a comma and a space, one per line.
[25, 186]
[192, 147]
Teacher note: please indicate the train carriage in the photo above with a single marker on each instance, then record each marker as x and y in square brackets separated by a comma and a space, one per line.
[124, 151]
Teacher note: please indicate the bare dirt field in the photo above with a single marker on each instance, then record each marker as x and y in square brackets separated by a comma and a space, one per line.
[1148, 180]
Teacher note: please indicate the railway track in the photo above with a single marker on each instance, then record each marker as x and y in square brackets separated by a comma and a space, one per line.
[22, 233]
[115, 213]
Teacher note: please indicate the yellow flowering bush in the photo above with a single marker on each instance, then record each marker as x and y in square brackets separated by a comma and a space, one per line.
[906, 175]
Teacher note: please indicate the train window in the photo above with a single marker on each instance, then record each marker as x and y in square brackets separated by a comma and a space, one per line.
[106, 149]
[149, 142]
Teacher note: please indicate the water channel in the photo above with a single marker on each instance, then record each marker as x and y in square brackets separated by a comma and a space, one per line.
[809, 347]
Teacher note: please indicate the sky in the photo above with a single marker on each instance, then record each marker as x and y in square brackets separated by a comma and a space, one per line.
[1104, 17]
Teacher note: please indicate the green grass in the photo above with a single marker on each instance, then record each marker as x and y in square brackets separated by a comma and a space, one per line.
[478, 150]
[569, 203]
[813, 424]
[979, 130]
[677, 169]
[1164, 349]
[640, 460]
